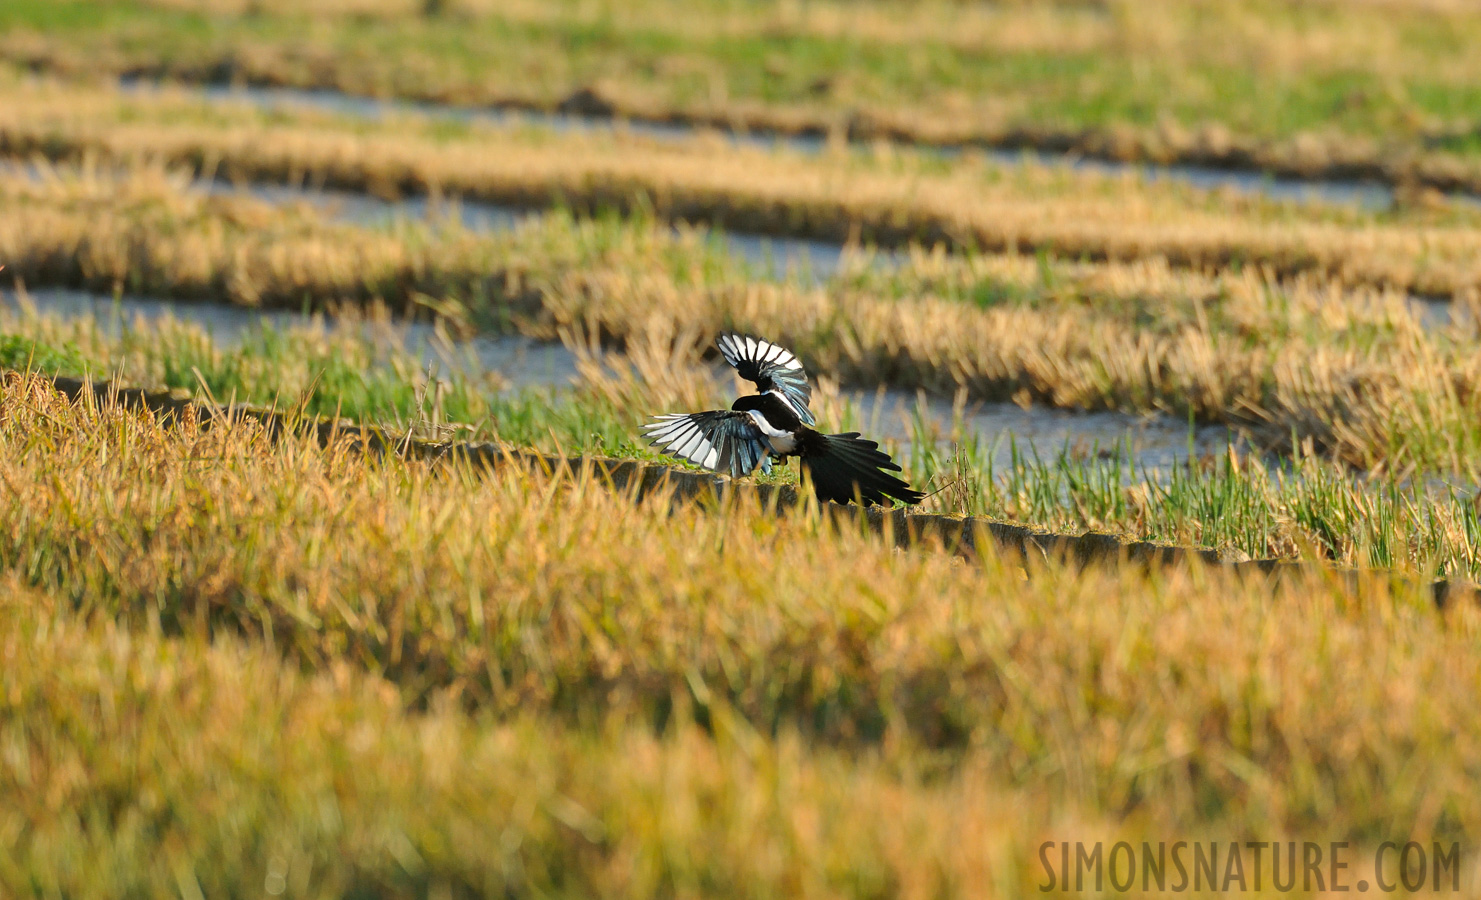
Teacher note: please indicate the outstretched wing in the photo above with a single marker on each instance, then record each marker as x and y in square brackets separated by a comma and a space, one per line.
[772, 368]
[722, 440]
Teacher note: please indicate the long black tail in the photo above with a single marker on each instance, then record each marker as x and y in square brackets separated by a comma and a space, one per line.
[844, 468]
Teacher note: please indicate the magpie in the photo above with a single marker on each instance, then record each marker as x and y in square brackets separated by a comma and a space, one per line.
[776, 423]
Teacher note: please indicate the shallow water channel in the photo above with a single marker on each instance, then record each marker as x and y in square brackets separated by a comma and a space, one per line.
[768, 257]
[1155, 443]
[1348, 192]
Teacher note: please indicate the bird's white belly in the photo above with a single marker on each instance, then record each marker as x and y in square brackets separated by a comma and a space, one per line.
[778, 441]
[782, 444]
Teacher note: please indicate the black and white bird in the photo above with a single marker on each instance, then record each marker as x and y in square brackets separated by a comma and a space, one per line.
[776, 422]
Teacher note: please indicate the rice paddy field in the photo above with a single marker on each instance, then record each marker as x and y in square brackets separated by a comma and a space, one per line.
[1205, 273]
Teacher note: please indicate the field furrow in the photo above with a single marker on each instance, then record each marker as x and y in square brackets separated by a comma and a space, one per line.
[893, 201]
[1354, 373]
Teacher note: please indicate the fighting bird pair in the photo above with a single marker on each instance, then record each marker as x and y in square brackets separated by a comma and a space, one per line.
[775, 423]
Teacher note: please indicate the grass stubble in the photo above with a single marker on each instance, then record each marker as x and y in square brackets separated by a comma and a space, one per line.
[231, 661]
[887, 197]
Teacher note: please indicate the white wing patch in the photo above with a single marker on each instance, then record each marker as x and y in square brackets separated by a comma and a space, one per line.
[770, 367]
[720, 441]
[666, 429]
[727, 349]
[778, 356]
[737, 350]
[681, 437]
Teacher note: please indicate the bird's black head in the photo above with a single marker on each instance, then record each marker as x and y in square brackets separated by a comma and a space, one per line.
[776, 410]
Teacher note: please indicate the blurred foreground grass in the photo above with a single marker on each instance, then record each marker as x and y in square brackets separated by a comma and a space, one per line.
[231, 662]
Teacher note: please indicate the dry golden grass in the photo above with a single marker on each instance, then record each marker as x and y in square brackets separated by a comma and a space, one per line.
[146, 232]
[870, 712]
[892, 200]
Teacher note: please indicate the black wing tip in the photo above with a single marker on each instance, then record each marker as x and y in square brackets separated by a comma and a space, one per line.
[874, 496]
